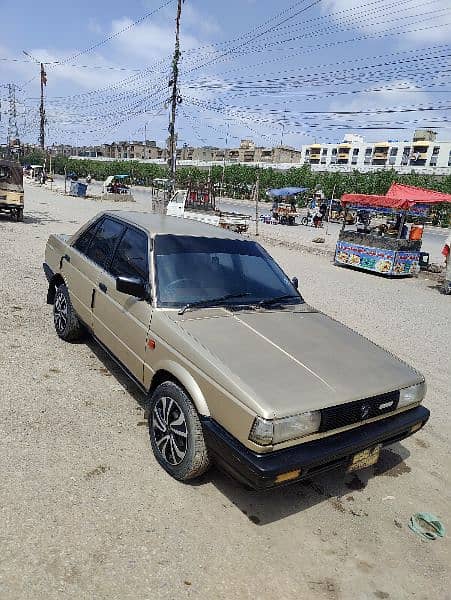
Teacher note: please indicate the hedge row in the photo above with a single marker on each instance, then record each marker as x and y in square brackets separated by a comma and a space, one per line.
[239, 179]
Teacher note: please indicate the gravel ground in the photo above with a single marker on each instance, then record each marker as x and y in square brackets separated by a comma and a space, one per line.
[86, 512]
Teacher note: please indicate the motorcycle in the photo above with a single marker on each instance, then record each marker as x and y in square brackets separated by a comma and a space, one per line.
[312, 220]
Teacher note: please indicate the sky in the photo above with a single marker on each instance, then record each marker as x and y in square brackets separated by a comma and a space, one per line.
[284, 71]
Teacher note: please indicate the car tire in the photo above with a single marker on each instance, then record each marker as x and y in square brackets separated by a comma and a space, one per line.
[176, 434]
[304, 221]
[67, 324]
[19, 214]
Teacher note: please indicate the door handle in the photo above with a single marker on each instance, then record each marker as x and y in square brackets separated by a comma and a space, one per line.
[65, 257]
[102, 287]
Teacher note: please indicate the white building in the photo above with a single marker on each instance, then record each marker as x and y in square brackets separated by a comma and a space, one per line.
[424, 154]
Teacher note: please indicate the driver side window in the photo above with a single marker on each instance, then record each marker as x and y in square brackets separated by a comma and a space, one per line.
[131, 256]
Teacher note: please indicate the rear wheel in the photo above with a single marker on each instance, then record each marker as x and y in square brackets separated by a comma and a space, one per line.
[176, 433]
[67, 324]
[304, 221]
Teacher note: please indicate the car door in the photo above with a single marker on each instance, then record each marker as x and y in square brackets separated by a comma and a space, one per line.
[81, 273]
[121, 322]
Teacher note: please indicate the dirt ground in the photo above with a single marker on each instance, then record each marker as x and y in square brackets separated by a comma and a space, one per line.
[87, 513]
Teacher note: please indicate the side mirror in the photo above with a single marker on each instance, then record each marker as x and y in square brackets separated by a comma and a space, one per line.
[132, 286]
[295, 282]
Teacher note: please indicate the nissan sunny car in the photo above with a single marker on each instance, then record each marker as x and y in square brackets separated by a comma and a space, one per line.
[239, 370]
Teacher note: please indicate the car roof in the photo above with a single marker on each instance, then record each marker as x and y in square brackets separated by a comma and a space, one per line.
[157, 224]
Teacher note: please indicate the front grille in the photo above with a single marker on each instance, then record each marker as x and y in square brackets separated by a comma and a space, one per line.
[342, 415]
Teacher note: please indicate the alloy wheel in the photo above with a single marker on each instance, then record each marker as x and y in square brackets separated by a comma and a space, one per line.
[60, 312]
[169, 430]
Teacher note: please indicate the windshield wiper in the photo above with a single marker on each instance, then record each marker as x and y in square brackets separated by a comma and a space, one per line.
[276, 300]
[212, 301]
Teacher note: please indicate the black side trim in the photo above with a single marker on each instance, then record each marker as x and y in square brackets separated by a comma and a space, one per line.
[259, 471]
[120, 365]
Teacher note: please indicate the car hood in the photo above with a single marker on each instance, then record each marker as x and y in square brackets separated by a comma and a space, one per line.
[296, 360]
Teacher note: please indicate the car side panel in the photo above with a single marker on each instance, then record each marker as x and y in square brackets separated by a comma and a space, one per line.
[121, 323]
[81, 276]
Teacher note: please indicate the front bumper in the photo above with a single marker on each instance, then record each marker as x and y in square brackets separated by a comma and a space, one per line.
[10, 205]
[260, 471]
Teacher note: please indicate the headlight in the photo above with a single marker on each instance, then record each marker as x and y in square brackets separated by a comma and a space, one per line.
[266, 433]
[412, 394]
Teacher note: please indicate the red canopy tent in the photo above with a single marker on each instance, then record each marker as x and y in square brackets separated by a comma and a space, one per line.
[374, 201]
[401, 197]
[416, 194]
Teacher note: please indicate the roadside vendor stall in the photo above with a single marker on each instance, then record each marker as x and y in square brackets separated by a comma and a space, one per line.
[284, 209]
[382, 249]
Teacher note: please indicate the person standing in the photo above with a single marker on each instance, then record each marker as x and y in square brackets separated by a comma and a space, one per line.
[447, 254]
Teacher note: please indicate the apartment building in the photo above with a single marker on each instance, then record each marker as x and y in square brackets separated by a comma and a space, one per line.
[247, 152]
[422, 154]
[135, 150]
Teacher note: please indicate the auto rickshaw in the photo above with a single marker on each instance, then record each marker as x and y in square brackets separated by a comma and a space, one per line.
[11, 189]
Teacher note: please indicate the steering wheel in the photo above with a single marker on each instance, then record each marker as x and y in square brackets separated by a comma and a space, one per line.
[183, 282]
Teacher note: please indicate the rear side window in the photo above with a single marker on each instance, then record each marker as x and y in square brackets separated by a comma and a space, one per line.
[82, 244]
[131, 257]
[103, 245]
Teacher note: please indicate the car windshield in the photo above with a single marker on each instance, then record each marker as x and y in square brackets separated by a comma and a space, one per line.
[192, 270]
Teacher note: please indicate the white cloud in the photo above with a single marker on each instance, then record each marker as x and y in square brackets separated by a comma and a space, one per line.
[192, 18]
[82, 76]
[148, 41]
[434, 27]
[94, 27]
[396, 94]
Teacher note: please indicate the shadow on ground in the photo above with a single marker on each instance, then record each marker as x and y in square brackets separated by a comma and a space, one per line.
[338, 488]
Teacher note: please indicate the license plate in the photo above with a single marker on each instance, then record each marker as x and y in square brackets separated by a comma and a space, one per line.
[364, 459]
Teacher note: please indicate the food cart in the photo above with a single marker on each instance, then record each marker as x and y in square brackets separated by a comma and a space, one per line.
[284, 210]
[379, 249]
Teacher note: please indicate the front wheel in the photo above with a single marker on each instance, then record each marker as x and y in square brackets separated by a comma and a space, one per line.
[304, 221]
[176, 433]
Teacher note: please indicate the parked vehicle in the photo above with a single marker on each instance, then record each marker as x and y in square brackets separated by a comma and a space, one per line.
[11, 189]
[199, 205]
[239, 370]
[117, 187]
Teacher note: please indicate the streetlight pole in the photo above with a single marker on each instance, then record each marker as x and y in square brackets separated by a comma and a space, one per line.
[283, 132]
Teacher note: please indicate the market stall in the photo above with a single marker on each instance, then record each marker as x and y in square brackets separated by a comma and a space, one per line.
[284, 209]
[389, 250]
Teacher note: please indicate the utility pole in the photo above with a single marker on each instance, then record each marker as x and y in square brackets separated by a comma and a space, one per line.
[257, 194]
[43, 78]
[224, 160]
[175, 98]
[42, 109]
[13, 132]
